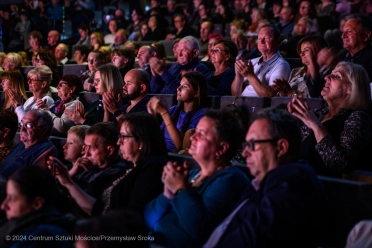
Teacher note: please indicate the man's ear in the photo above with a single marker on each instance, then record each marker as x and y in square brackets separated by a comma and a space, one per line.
[282, 146]
[367, 36]
[143, 88]
[111, 150]
[195, 53]
[6, 132]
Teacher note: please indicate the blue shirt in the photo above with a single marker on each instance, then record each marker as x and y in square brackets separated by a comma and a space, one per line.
[182, 119]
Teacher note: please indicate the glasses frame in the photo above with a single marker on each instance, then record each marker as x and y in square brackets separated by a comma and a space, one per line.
[27, 125]
[250, 144]
[121, 137]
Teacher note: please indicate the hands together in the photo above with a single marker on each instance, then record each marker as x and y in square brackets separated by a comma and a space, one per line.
[174, 177]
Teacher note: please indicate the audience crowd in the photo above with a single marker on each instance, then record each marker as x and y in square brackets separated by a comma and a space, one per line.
[97, 152]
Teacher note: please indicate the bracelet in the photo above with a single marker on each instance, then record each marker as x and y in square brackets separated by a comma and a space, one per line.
[165, 113]
[117, 113]
[169, 124]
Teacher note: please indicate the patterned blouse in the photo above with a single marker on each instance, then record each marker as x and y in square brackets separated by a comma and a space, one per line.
[4, 151]
[345, 147]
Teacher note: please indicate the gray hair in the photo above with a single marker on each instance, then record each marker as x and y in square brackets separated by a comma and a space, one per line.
[43, 73]
[43, 119]
[191, 42]
[15, 59]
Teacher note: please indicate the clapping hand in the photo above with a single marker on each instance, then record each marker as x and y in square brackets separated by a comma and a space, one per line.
[41, 104]
[110, 103]
[282, 86]
[14, 97]
[157, 67]
[77, 115]
[174, 177]
[154, 106]
[300, 109]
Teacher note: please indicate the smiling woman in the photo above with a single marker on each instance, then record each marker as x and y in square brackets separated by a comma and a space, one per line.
[68, 89]
[337, 138]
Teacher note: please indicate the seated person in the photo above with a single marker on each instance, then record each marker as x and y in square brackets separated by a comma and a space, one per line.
[337, 138]
[123, 59]
[165, 81]
[307, 81]
[195, 201]
[74, 148]
[135, 89]
[34, 146]
[12, 61]
[143, 148]
[181, 28]
[8, 129]
[283, 190]
[33, 209]
[241, 41]
[39, 80]
[261, 72]
[61, 53]
[99, 166]
[107, 79]
[223, 55]
[12, 83]
[95, 59]
[68, 91]
[192, 97]
[81, 53]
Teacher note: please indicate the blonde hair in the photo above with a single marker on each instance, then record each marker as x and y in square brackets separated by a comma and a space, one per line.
[111, 79]
[17, 83]
[15, 59]
[79, 131]
[44, 74]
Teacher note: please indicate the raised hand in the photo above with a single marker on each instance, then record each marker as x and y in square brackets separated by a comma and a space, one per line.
[154, 106]
[41, 104]
[14, 97]
[175, 176]
[157, 67]
[77, 115]
[59, 171]
[110, 103]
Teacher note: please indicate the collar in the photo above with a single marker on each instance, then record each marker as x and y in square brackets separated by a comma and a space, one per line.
[349, 57]
[256, 184]
[271, 60]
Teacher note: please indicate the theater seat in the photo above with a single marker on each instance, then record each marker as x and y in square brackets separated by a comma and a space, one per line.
[250, 104]
[314, 103]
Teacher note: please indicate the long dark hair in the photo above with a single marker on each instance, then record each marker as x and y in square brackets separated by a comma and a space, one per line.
[199, 84]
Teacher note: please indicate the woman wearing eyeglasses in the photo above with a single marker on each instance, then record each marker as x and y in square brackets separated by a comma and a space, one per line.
[68, 88]
[195, 201]
[307, 9]
[12, 82]
[307, 81]
[142, 146]
[47, 57]
[337, 138]
[38, 80]
[107, 78]
[223, 55]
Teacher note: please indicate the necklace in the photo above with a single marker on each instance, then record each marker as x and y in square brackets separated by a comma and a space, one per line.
[194, 178]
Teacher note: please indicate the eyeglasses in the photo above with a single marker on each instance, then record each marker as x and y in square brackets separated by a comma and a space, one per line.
[177, 21]
[217, 50]
[251, 143]
[61, 84]
[28, 125]
[122, 137]
[38, 60]
[304, 7]
[33, 80]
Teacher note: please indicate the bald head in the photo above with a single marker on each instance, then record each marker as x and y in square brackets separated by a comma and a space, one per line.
[137, 84]
[53, 37]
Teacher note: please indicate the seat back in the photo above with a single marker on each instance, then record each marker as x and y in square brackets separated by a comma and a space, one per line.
[74, 69]
[250, 104]
[314, 103]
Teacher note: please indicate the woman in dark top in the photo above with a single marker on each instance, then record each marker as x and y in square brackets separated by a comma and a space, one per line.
[337, 138]
[31, 205]
[181, 28]
[143, 147]
[223, 55]
[157, 32]
[123, 59]
[107, 78]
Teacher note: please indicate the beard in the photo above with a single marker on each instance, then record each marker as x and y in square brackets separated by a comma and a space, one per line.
[132, 96]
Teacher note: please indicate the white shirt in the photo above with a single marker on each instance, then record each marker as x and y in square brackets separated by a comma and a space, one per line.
[267, 71]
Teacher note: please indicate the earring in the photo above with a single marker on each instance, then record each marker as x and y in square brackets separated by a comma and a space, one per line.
[140, 148]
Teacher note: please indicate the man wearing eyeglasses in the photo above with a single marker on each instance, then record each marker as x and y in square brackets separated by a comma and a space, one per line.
[165, 81]
[34, 146]
[284, 206]
[254, 77]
